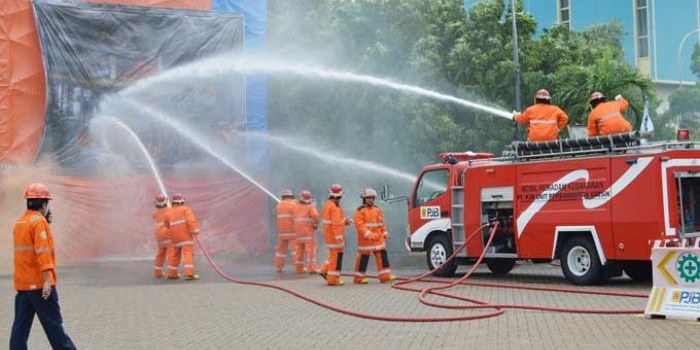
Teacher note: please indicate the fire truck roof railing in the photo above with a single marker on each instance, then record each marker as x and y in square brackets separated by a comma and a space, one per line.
[591, 146]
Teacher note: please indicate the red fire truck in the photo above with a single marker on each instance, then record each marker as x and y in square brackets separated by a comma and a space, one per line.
[596, 204]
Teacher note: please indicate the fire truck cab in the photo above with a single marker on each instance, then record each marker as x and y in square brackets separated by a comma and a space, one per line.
[596, 204]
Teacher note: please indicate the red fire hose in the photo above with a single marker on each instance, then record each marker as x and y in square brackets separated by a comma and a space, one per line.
[473, 303]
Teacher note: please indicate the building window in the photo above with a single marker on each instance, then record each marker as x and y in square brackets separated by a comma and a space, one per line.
[642, 29]
[564, 12]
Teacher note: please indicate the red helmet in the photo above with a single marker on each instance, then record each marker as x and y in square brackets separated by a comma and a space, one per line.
[369, 192]
[335, 191]
[287, 193]
[305, 196]
[161, 200]
[178, 198]
[543, 94]
[37, 190]
[596, 96]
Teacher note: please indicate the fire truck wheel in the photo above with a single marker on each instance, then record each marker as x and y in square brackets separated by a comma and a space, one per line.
[439, 249]
[500, 266]
[580, 261]
[638, 270]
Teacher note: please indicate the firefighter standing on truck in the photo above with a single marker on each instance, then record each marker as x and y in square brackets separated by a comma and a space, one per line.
[285, 228]
[606, 117]
[165, 245]
[333, 224]
[544, 120]
[306, 220]
[371, 239]
[35, 273]
[183, 229]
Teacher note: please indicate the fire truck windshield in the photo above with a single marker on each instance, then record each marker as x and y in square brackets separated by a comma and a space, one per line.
[432, 185]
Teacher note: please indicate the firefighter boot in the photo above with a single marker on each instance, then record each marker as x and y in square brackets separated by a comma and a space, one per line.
[192, 277]
[339, 283]
[174, 277]
[321, 273]
[363, 280]
[389, 279]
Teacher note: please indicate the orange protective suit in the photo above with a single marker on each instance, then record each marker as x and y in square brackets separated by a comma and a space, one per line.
[606, 118]
[544, 121]
[34, 251]
[285, 231]
[183, 227]
[165, 245]
[333, 224]
[306, 220]
[371, 239]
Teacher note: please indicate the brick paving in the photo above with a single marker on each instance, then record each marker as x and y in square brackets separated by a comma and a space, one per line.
[117, 305]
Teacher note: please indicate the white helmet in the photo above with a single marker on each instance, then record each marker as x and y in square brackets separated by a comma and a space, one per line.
[368, 192]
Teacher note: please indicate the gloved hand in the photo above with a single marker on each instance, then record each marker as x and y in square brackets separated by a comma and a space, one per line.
[385, 235]
[348, 221]
[514, 113]
[618, 97]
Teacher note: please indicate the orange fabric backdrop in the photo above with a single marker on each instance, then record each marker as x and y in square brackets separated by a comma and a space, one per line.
[22, 81]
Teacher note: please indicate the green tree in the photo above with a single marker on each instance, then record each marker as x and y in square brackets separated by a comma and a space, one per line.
[436, 45]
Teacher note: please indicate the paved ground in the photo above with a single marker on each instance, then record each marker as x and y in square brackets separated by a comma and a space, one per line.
[116, 305]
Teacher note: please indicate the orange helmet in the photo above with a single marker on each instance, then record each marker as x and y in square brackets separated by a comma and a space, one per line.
[37, 190]
[161, 200]
[369, 192]
[287, 192]
[305, 196]
[596, 96]
[335, 191]
[178, 198]
[543, 94]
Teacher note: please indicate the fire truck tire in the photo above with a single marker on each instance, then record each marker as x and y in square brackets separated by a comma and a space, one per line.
[580, 261]
[638, 270]
[439, 249]
[500, 266]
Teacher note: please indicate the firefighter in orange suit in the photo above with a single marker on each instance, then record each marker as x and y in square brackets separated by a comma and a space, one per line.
[305, 223]
[165, 245]
[333, 225]
[35, 273]
[544, 120]
[183, 228]
[285, 228]
[606, 117]
[371, 239]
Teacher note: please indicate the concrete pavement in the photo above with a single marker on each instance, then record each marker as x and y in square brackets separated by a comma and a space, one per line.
[118, 305]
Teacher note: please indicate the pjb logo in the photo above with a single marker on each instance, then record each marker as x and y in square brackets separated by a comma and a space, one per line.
[430, 212]
[685, 297]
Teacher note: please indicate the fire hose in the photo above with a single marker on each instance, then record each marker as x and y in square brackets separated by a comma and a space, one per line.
[498, 309]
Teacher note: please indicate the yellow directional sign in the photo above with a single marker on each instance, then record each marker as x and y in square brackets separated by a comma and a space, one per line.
[662, 268]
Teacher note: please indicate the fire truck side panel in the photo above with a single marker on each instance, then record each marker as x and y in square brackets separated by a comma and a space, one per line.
[637, 206]
[677, 166]
[477, 180]
[550, 194]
